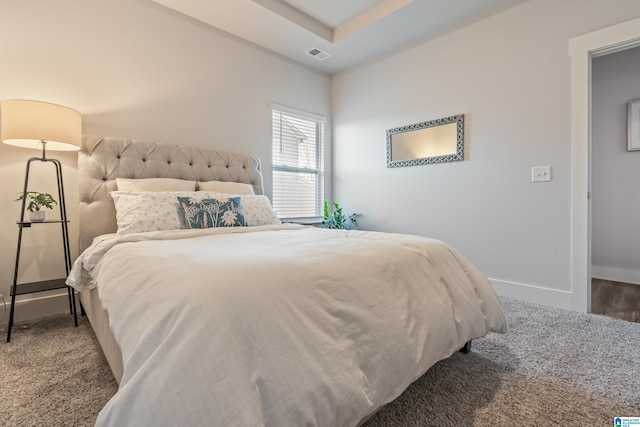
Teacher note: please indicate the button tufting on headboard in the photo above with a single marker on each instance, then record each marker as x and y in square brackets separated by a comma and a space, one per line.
[103, 159]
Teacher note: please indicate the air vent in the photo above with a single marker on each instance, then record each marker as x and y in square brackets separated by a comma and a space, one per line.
[320, 55]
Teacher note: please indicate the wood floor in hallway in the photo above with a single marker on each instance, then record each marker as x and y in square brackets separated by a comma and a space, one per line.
[616, 299]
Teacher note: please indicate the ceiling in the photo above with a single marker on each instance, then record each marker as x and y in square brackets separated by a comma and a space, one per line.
[345, 33]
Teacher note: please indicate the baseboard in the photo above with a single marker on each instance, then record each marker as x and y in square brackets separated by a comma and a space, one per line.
[615, 274]
[532, 293]
[35, 306]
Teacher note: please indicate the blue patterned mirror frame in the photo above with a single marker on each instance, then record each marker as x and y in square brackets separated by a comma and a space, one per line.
[457, 156]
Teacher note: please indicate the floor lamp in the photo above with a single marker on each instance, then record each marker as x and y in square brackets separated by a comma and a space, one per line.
[42, 126]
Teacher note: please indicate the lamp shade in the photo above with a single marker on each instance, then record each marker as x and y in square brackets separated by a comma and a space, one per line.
[26, 123]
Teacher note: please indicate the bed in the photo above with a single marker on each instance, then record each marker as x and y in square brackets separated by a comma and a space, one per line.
[267, 324]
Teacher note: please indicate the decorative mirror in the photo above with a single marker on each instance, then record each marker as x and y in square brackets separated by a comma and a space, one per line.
[435, 141]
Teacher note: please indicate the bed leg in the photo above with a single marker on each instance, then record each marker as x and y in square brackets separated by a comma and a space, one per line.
[466, 348]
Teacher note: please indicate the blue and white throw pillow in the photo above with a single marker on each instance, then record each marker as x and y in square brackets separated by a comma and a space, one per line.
[257, 208]
[207, 213]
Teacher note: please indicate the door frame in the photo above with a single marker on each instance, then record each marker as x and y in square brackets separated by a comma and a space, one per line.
[581, 50]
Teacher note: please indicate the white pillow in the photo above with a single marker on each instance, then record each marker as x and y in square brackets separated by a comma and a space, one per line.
[257, 208]
[155, 184]
[226, 187]
[138, 212]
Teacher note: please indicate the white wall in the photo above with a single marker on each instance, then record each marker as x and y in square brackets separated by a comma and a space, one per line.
[134, 69]
[510, 76]
[615, 171]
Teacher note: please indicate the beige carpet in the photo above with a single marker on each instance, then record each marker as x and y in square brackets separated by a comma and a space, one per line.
[53, 374]
[553, 368]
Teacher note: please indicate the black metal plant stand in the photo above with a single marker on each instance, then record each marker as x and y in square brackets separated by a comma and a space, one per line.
[45, 285]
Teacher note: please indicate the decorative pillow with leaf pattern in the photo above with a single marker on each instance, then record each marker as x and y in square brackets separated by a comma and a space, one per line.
[207, 213]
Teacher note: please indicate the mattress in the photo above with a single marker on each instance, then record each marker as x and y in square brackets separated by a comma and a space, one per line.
[278, 325]
[99, 320]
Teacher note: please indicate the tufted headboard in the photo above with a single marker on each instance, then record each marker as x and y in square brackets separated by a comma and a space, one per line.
[103, 159]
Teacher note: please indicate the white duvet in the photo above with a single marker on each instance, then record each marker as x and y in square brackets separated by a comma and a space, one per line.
[279, 325]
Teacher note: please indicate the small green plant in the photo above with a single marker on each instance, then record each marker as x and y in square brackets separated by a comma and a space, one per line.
[337, 219]
[37, 200]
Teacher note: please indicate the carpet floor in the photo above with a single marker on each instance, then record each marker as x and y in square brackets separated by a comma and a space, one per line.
[552, 368]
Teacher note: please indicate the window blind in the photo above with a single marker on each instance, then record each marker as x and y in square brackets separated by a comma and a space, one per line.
[298, 165]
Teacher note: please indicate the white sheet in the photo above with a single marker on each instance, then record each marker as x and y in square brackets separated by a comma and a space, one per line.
[279, 325]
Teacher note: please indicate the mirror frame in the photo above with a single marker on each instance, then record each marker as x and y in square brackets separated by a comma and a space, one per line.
[457, 156]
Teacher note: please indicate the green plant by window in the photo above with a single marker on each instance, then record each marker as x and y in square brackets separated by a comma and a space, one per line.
[37, 200]
[337, 219]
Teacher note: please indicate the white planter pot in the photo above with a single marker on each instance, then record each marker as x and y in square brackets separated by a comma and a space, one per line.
[37, 216]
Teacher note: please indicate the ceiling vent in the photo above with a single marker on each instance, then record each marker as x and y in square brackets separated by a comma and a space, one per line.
[320, 55]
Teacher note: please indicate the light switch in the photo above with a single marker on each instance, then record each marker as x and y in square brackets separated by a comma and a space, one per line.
[541, 173]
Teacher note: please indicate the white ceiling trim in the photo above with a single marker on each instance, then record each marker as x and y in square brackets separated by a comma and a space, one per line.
[350, 32]
[298, 17]
[333, 35]
[368, 17]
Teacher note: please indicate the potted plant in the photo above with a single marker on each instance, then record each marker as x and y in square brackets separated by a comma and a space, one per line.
[37, 201]
[337, 219]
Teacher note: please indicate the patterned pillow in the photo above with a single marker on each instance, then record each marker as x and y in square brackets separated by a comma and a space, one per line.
[142, 211]
[207, 213]
[257, 208]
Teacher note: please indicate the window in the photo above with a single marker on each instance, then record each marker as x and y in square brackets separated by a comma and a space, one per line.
[298, 164]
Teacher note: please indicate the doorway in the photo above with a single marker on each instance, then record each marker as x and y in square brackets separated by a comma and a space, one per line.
[615, 199]
[582, 49]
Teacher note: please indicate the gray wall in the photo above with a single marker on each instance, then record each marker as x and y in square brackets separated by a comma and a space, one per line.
[133, 69]
[615, 171]
[510, 76]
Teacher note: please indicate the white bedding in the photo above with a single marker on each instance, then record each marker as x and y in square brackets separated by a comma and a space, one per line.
[278, 325]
